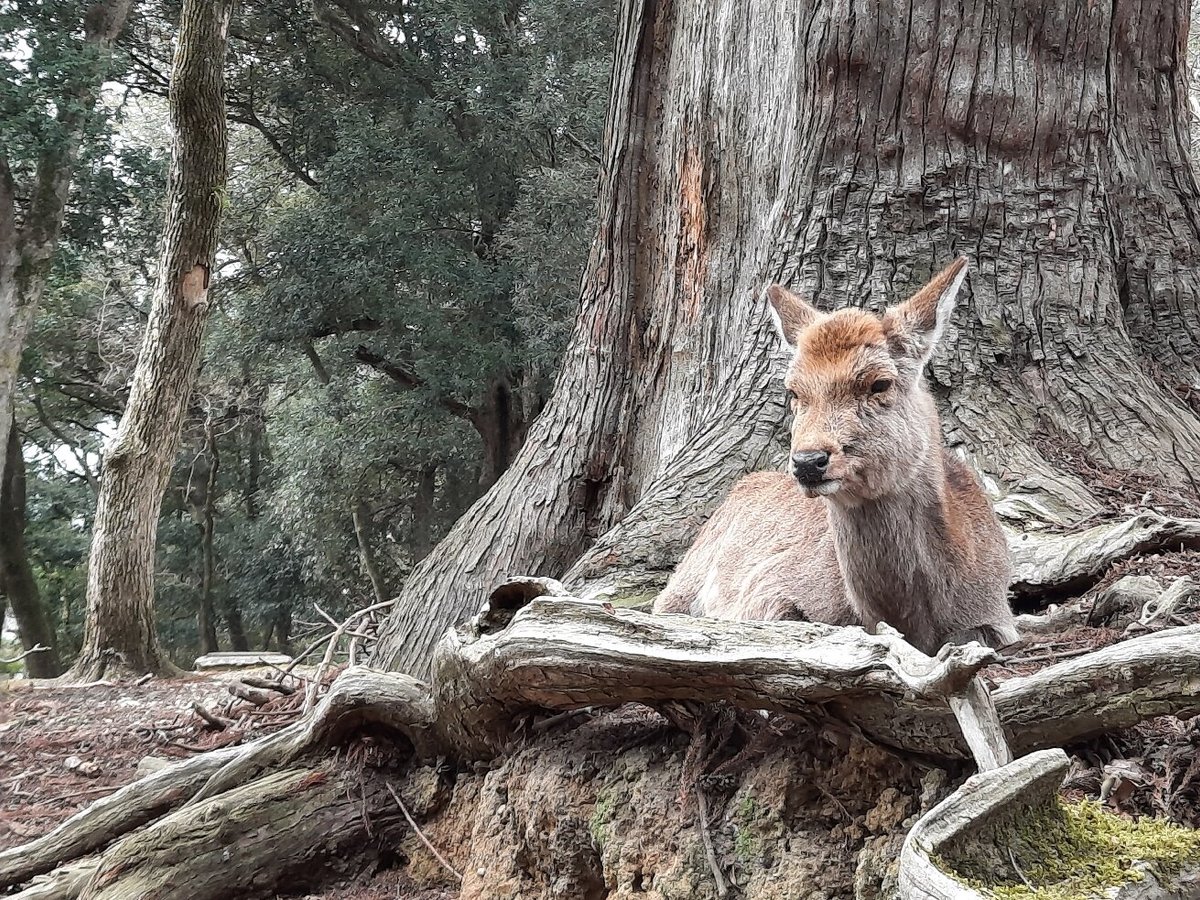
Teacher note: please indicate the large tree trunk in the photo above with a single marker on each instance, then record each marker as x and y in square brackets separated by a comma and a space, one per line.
[28, 241]
[119, 625]
[850, 150]
[17, 581]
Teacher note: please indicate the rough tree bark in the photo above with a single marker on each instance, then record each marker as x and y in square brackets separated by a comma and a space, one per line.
[28, 241]
[849, 151]
[17, 581]
[119, 626]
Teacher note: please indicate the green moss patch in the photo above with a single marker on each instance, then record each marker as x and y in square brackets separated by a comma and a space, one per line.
[1069, 851]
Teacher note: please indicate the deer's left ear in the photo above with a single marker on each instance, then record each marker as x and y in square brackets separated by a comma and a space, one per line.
[915, 326]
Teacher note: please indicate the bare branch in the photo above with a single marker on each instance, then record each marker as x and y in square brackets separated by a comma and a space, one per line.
[16, 659]
[419, 833]
[245, 115]
[322, 373]
[409, 380]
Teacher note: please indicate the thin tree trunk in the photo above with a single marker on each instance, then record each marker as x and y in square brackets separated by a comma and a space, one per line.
[199, 498]
[283, 628]
[119, 625]
[423, 510]
[361, 515]
[502, 428]
[230, 610]
[16, 574]
[255, 439]
[850, 150]
[27, 249]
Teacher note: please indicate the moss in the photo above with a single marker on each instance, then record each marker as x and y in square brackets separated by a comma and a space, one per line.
[641, 601]
[602, 816]
[1070, 851]
[746, 843]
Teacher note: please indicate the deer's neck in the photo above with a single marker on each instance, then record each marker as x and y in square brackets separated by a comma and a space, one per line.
[893, 552]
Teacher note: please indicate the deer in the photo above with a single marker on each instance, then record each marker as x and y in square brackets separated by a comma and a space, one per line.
[877, 521]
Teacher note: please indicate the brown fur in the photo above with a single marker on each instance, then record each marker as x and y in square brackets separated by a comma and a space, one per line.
[900, 532]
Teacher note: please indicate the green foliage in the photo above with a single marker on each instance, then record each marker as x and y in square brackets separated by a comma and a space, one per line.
[424, 193]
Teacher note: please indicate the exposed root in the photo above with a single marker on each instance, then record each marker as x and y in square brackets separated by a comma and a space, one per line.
[560, 654]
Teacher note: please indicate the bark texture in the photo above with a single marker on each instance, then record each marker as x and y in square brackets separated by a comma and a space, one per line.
[850, 151]
[17, 581]
[119, 627]
[28, 241]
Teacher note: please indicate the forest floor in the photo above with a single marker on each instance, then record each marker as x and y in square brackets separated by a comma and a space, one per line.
[61, 748]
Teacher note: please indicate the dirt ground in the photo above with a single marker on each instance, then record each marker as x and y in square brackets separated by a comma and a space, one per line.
[62, 748]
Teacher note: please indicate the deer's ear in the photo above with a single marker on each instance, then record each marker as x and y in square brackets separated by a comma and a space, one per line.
[915, 326]
[790, 314]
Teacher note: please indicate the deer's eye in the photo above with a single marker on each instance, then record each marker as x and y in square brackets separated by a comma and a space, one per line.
[879, 385]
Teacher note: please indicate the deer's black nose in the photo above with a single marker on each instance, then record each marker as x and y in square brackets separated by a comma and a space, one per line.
[809, 466]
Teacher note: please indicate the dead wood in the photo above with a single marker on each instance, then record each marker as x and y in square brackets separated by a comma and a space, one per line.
[1031, 781]
[250, 694]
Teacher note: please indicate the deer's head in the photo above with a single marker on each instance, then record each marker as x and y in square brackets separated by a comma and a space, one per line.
[864, 422]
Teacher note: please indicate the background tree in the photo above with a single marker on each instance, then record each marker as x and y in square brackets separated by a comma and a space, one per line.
[119, 628]
[17, 581]
[1052, 148]
[303, 429]
[52, 80]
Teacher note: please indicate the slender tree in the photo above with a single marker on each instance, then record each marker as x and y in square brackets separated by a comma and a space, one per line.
[17, 581]
[849, 150]
[119, 628]
[32, 209]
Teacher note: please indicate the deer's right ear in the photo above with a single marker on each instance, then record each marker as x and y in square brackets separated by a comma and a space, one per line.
[790, 314]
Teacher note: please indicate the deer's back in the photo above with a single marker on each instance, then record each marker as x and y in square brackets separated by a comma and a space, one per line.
[766, 553]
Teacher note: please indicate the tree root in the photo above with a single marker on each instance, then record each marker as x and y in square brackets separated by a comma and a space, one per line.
[1061, 563]
[526, 654]
[1031, 781]
[214, 849]
[395, 702]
